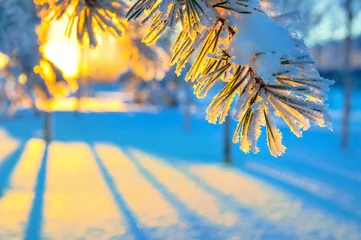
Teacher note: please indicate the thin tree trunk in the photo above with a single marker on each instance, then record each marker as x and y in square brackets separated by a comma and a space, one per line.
[346, 76]
[47, 126]
[89, 87]
[187, 117]
[78, 98]
[187, 110]
[227, 154]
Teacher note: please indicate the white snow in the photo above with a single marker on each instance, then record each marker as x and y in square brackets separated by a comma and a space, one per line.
[140, 176]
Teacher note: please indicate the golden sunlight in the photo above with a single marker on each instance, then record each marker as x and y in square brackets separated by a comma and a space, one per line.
[3, 60]
[103, 63]
[63, 52]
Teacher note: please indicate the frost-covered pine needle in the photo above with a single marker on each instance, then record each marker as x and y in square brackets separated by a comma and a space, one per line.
[264, 68]
[89, 17]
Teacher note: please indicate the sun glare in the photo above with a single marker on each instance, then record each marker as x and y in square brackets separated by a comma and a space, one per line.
[103, 63]
[62, 51]
[64, 56]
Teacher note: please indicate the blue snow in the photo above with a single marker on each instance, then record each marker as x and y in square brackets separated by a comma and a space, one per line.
[318, 179]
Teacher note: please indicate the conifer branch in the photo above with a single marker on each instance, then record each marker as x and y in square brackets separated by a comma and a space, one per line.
[262, 67]
[267, 84]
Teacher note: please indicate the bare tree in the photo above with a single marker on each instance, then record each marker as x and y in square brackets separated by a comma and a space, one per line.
[346, 76]
[47, 125]
[187, 108]
[227, 153]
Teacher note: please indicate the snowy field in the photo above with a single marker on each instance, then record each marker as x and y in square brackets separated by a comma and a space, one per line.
[141, 176]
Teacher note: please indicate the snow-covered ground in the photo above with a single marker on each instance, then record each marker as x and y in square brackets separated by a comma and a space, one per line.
[141, 176]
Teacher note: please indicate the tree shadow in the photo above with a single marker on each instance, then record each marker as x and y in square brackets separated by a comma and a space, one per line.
[342, 183]
[308, 197]
[35, 218]
[333, 208]
[122, 206]
[7, 168]
[204, 230]
[338, 183]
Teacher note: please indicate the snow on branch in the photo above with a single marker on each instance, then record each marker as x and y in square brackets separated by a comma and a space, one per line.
[266, 70]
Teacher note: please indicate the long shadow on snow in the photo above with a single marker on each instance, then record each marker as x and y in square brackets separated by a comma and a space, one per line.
[323, 176]
[198, 224]
[306, 196]
[123, 207]
[271, 233]
[7, 167]
[35, 219]
[164, 136]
